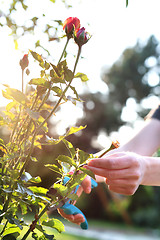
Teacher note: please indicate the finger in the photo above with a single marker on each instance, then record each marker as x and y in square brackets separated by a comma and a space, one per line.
[78, 218]
[69, 217]
[114, 161]
[122, 190]
[98, 171]
[116, 174]
[122, 183]
[86, 185]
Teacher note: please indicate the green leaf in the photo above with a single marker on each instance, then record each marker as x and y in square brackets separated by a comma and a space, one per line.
[74, 130]
[69, 132]
[61, 189]
[34, 159]
[35, 236]
[17, 95]
[58, 79]
[82, 76]
[65, 167]
[32, 114]
[54, 223]
[49, 237]
[35, 179]
[68, 75]
[9, 115]
[63, 158]
[11, 236]
[75, 92]
[40, 82]
[5, 95]
[23, 207]
[77, 180]
[70, 147]
[83, 156]
[2, 121]
[38, 58]
[126, 3]
[73, 100]
[88, 172]
[57, 90]
[1, 141]
[14, 220]
[46, 65]
[23, 190]
[45, 127]
[11, 105]
[38, 190]
[11, 231]
[26, 177]
[54, 168]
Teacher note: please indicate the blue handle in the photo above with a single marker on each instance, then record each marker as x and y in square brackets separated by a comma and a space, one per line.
[71, 209]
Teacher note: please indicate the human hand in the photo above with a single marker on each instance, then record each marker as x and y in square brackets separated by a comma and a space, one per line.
[124, 171]
[78, 218]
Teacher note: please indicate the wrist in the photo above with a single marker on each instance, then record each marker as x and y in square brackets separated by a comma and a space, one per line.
[151, 175]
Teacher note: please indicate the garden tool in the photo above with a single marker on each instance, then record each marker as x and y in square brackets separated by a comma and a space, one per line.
[67, 204]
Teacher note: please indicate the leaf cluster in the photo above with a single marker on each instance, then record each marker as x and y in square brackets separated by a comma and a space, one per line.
[28, 128]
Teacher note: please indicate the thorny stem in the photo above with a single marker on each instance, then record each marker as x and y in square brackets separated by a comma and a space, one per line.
[22, 80]
[16, 124]
[26, 119]
[64, 49]
[5, 225]
[13, 132]
[35, 221]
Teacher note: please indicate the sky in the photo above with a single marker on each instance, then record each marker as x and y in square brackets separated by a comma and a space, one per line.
[113, 28]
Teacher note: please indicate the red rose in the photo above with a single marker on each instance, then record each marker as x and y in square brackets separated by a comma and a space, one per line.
[81, 36]
[24, 62]
[71, 24]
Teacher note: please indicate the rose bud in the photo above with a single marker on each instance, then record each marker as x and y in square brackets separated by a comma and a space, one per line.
[71, 24]
[24, 62]
[81, 36]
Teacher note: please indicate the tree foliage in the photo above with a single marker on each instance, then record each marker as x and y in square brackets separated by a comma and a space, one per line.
[135, 75]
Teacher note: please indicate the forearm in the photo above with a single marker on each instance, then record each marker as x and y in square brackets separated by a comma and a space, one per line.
[146, 141]
[152, 171]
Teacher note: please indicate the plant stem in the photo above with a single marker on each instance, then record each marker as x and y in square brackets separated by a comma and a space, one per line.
[64, 49]
[36, 220]
[22, 80]
[5, 225]
[13, 132]
[49, 115]
[78, 55]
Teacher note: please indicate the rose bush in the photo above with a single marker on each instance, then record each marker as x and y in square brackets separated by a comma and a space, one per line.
[29, 130]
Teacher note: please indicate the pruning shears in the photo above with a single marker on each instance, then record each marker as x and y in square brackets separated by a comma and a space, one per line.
[66, 204]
